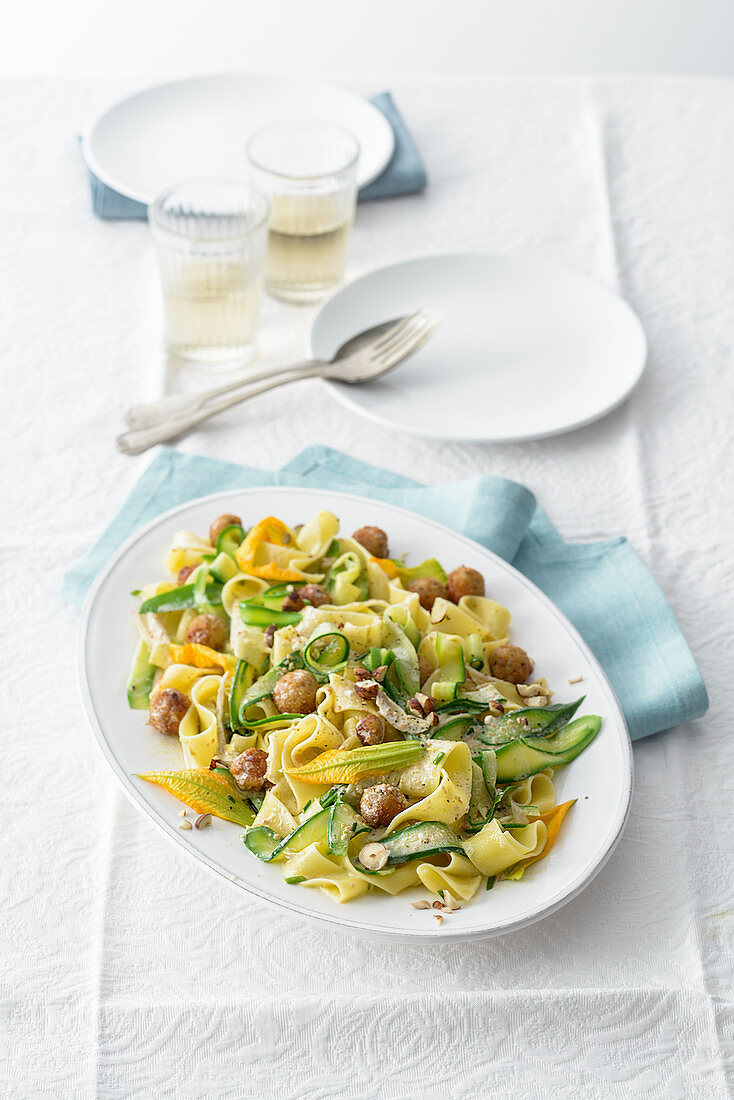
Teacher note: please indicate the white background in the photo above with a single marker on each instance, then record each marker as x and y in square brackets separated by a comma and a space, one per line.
[155, 39]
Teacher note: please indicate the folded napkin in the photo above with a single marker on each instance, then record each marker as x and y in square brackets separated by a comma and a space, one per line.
[602, 587]
[404, 175]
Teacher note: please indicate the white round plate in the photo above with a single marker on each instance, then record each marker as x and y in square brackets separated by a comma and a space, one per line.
[200, 127]
[601, 778]
[525, 349]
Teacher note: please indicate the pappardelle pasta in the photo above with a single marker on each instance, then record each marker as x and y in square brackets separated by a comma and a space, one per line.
[369, 723]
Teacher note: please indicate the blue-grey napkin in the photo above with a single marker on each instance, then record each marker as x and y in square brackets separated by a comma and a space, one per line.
[404, 175]
[602, 587]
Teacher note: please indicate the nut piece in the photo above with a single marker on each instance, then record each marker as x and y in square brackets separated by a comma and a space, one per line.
[510, 663]
[167, 708]
[185, 825]
[367, 690]
[373, 856]
[315, 594]
[203, 821]
[381, 803]
[361, 673]
[464, 582]
[370, 730]
[208, 630]
[537, 701]
[428, 589]
[421, 904]
[248, 770]
[295, 693]
[185, 572]
[293, 602]
[225, 520]
[373, 539]
[421, 705]
[526, 690]
[269, 635]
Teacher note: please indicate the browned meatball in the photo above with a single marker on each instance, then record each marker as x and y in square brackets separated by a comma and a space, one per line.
[314, 594]
[380, 804]
[509, 662]
[249, 769]
[370, 729]
[373, 539]
[428, 589]
[167, 708]
[207, 630]
[464, 582]
[292, 602]
[226, 520]
[185, 572]
[295, 693]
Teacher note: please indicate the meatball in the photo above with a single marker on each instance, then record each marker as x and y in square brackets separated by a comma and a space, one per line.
[314, 594]
[428, 589]
[185, 572]
[292, 602]
[380, 804]
[207, 630]
[464, 582]
[295, 693]
[370, 729]
[226, 520]
[249, 769]
[509, 662]
[373, 539]
[167, 708]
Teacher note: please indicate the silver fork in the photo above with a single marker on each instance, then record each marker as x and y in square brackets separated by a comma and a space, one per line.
[369, 355]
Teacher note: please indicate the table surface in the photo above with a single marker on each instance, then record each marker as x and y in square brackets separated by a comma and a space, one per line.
[127, 971]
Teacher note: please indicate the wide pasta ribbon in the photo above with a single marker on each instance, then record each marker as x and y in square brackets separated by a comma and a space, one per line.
[198, 731]
[441, 781]
[494, 849]
[188, 549]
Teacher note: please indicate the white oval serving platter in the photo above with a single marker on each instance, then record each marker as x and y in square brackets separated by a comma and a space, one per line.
[601, 778]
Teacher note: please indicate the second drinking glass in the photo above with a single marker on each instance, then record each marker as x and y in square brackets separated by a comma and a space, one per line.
[308, 171]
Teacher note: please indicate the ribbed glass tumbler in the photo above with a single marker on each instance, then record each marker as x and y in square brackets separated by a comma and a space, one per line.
[211, 238]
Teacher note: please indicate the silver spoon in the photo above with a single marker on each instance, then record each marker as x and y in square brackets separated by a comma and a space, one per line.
[366, 356]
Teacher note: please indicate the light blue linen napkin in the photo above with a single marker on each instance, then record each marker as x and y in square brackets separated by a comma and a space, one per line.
[602, 587]
[404, 175]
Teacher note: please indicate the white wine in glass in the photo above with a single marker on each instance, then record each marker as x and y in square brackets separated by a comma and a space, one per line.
[308, 171]
[307, 243]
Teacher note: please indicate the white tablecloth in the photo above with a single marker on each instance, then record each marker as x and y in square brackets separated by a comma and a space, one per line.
[127, 971]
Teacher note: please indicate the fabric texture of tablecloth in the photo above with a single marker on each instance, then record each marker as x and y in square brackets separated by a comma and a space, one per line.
[127, 972]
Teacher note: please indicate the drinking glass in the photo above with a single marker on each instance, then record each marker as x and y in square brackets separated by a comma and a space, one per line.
[211, 237]
[308, 171]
